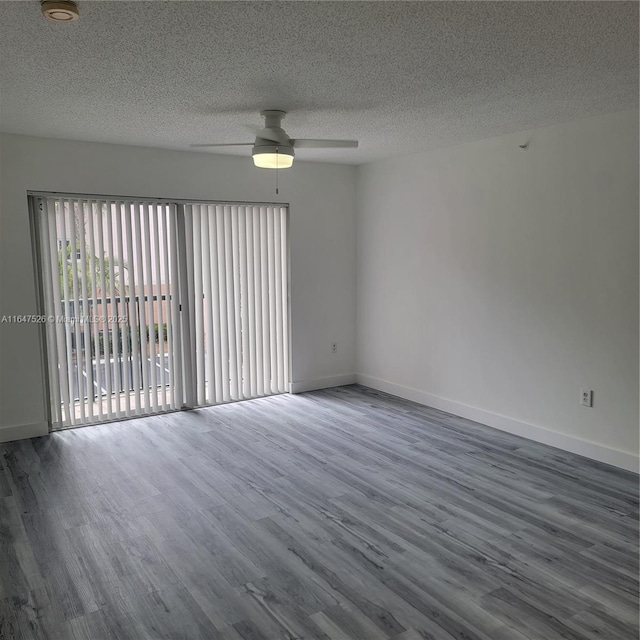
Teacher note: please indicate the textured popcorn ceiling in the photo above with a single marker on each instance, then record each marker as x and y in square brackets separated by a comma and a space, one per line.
[400, 77]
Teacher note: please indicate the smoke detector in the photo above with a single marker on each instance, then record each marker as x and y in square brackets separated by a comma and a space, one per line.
[62, 11]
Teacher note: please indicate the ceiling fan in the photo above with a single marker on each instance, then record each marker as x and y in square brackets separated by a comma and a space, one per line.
[274, 149]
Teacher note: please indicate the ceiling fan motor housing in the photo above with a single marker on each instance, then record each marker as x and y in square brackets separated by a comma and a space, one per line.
[270, 147]
[273, 117]
[275, 148]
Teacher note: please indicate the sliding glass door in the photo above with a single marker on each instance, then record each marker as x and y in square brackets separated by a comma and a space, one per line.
[152, 306]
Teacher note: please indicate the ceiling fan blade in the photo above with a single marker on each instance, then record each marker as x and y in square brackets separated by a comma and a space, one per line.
[224, 144]
[308, 143]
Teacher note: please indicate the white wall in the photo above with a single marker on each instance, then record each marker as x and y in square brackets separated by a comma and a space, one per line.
[491, 282]
[322, 199]
[495, 283]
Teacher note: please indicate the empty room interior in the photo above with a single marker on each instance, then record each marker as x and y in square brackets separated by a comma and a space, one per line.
[319, 320]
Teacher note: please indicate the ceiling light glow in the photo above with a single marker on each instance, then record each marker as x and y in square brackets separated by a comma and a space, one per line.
[272, 157]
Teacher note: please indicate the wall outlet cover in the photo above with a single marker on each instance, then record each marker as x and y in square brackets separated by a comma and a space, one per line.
[586, 397]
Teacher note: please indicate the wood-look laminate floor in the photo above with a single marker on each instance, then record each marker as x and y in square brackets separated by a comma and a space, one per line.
[342, 514]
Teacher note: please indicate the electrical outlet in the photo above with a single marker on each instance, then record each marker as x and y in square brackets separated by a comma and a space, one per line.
[334, 347]
[586, 397]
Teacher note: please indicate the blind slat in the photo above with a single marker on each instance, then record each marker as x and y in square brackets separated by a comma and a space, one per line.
[236, 353]
[77, 311]
[123, 327]
[216, 330]
[250, 354]
[207, 350]
[138, 212]
[151, 361]
[164, 227]
[103, 356]
[87, 312]
[277, 293]
[66, 313]
[257, 321]
[222, 303]
[94, 294]
[243, 308]
[55, 342]
[160, 358]
[284, 286]
[132, 311]
[196, 220]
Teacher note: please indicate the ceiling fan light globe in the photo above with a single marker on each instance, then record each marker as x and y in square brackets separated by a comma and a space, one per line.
[272, 157]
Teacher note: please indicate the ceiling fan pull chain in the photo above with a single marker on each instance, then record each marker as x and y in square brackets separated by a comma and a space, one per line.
[277, 164]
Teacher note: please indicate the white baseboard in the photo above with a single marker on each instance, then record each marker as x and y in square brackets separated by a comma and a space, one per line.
[593, 450]
[22, 431]
[322, 383]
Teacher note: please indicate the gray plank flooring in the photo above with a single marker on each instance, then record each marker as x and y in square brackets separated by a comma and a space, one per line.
[343, 514]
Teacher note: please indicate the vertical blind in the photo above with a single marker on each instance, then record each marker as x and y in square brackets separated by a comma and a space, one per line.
[237, 278]
[152, 306]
